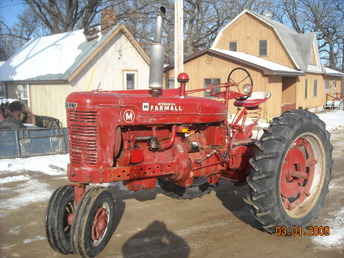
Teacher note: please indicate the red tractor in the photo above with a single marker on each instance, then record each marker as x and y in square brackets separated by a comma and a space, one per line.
[184, 145]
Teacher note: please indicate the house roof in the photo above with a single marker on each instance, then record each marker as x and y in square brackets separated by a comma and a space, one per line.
[297, 45]
[332, 72]
[59, 57]
[267, 67]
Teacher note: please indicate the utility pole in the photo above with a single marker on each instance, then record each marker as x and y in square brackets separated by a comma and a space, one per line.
[178, 40]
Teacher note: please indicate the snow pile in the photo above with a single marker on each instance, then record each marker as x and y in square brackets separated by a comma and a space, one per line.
[336, 237]
[51, 165]
[333, 120]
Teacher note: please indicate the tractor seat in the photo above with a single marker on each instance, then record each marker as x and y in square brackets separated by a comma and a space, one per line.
[256, 98]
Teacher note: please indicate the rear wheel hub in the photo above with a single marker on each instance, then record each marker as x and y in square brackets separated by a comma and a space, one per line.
[297, 174]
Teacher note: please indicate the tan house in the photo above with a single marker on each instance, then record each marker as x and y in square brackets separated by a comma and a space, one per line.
[280, 60]
[47, 69]
[333, 85]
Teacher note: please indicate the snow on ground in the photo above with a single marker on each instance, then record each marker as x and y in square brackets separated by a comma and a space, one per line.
[333, 119]
[27, 188]
[26, 193]
[36, 238]
[51, 165]
[12, 179]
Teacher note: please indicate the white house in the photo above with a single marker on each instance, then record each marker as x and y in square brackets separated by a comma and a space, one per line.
[45, 70]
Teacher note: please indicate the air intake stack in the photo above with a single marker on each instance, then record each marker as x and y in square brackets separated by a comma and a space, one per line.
[157, 58]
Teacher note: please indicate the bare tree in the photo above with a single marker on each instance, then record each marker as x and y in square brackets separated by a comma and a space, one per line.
[202, 20]
[61, 16]
[320, 16]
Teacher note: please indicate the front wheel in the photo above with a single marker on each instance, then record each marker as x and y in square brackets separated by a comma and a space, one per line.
[58, 219]
[94, 222]
[291, 171]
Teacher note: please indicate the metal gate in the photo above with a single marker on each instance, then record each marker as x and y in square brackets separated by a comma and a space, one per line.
[32, 142]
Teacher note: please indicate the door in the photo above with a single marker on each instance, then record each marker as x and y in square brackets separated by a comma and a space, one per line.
[288, 93]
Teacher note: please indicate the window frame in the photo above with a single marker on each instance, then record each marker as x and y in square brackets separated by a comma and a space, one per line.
[3, 91]
[24, 95]
[235, 44]
[125, 79]
[306, 88]
[170, 82]
[315, 88]
[205, 85]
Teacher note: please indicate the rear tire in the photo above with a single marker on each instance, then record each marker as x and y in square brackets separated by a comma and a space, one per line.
[290, 173]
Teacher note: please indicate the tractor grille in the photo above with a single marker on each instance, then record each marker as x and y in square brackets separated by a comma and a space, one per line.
[83, 137]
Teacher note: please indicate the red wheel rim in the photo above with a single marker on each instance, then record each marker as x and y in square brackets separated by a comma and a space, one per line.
[99, 225]
[297, 173]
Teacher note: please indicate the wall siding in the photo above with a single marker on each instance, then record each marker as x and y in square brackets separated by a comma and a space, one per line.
[49, 100]
[247, 31]
[289, 90]
[310, 102]
[106, 72]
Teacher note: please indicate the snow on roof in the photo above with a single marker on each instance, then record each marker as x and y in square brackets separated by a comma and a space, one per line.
[333, 72]
[49, 56]
[314, 69]
[257, 61]
[58, 56]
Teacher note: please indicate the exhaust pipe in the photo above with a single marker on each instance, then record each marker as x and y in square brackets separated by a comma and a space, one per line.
[157, 58]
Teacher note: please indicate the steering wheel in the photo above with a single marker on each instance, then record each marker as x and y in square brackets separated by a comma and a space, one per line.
[242, 80]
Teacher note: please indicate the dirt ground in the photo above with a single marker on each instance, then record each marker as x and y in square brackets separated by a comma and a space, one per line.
[215, 226]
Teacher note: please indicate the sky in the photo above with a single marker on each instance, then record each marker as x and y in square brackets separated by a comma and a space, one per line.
[10, 9]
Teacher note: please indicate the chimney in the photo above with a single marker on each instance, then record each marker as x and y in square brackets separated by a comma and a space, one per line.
[108, 19]
[91, 33]
[268, 14]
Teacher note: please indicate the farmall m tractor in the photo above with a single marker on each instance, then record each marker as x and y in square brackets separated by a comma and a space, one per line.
[185, 145]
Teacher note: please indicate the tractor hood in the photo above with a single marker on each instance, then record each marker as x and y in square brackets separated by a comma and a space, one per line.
[138, 107]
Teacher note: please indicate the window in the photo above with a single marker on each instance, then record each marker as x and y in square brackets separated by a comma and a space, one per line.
[22, 93]
[263, 47]
[130, 80]
[3, 94]
[327, 84]
[315, 88]
[306, 88]
[233, 46]
[170, 83]
[212, 81]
